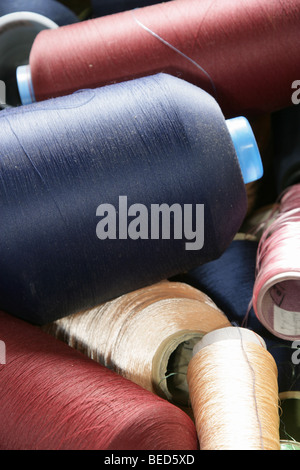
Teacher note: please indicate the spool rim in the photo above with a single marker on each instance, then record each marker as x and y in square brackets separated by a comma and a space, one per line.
[258, 304]
[229, 333]
[16, 18]
[162, 356]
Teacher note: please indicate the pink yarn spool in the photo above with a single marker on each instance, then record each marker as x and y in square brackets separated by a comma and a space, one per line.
[276, 293]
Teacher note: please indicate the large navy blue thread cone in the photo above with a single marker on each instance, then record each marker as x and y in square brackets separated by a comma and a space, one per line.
[155, 140]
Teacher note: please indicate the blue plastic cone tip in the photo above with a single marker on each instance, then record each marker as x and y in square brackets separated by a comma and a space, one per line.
[246, 148]
[25, 86]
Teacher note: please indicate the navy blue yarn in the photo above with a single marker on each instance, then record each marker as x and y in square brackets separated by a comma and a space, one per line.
[55, 11]
[286, 162]
[108, 7]
[229, 281]
[155, 140]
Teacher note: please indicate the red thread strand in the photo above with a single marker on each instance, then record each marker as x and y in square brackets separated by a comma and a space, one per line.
[247, 49]
[55, 398]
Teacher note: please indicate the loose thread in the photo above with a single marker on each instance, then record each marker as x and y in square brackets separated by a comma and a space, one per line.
[177, 51]
[289, 416]
[253, 389]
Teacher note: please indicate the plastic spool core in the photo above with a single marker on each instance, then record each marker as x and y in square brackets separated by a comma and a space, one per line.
[246, 148]
[229, 333]
[280, 321]
[170, 365]
[17, 33]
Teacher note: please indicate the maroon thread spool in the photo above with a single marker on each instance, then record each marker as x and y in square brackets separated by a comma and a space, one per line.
[248, 52]
[55, 398]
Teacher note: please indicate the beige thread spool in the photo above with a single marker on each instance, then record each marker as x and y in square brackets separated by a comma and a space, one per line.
[233, 388]
[145, 335]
